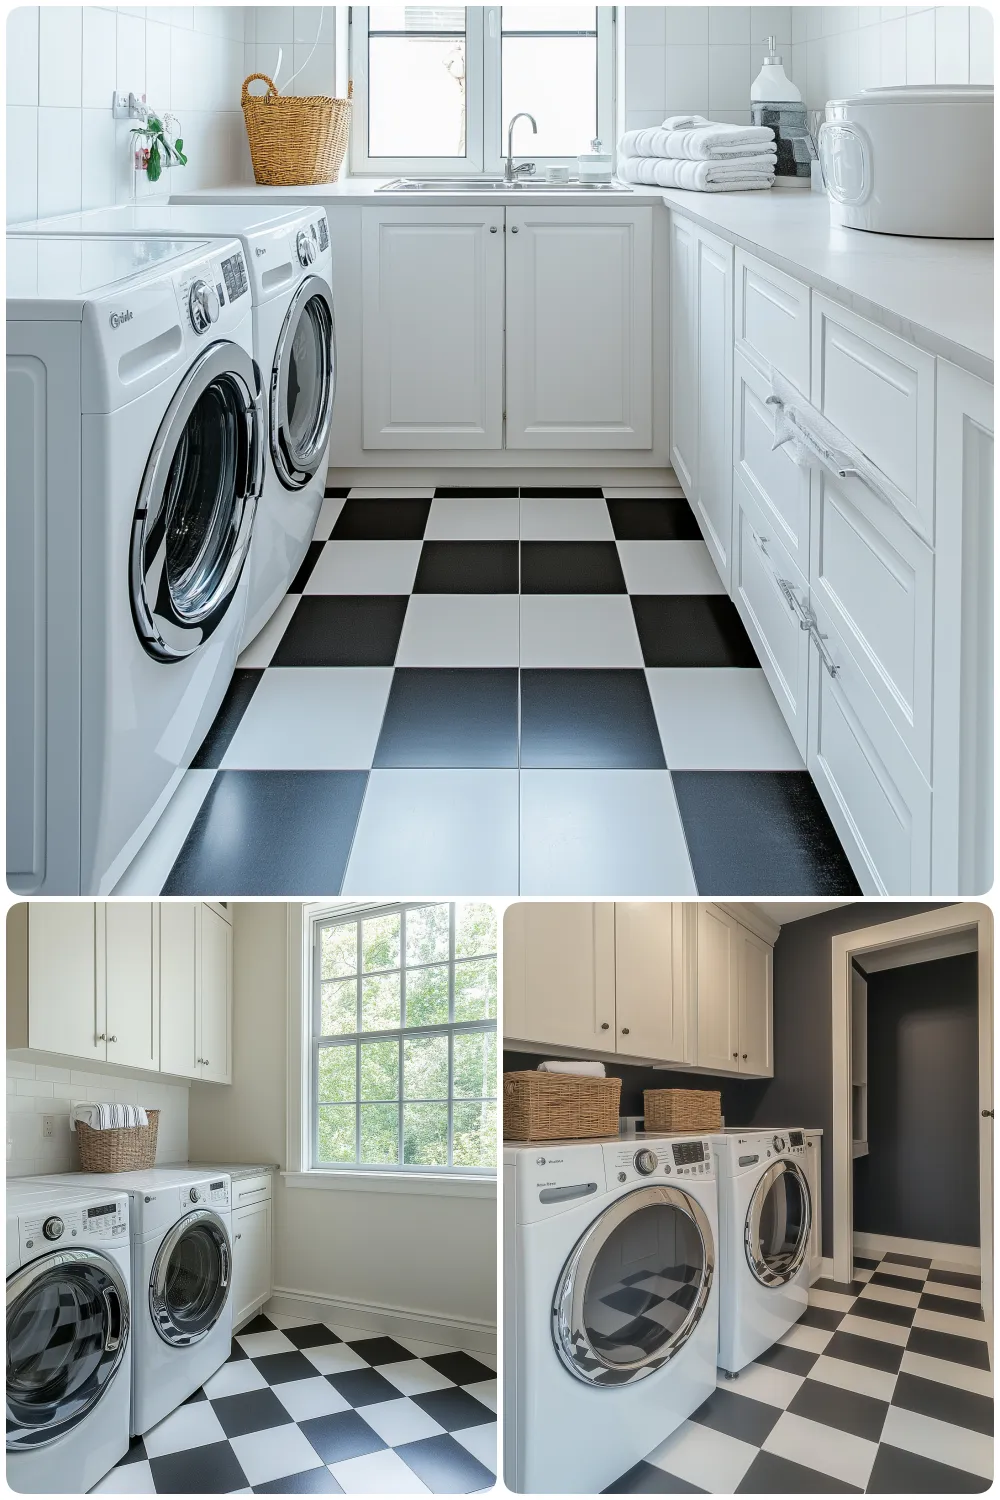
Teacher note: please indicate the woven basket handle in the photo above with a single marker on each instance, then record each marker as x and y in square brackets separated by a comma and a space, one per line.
[272, 92]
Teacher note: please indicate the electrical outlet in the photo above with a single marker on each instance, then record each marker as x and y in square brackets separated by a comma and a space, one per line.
[48, 1126]
[126, 106]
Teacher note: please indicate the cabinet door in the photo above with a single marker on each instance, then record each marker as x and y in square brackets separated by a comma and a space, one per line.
[133, 991]
[432, 341]
[561, 975]
[718, 991]
[579, 328]
[251, 1259]
[756, 992]
[66, 978]
[683, 352]
[713, 502]
[178, 988]
[649, 989]
[215, 997]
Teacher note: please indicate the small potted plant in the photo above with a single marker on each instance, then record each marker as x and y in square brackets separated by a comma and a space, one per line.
[158, 144]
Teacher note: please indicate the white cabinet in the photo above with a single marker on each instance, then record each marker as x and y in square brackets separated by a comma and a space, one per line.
[559, 974]
[734, 997]
[132, 991]
[251, 1246]
[755, 960]
[813, 1167]
[215, 996]
[196, 991]
[683, 351]
[650, 980]
[579, 361]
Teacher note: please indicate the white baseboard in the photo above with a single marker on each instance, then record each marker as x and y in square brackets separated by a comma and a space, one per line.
[826, 1267]
[381, 1318]
[882, 1244]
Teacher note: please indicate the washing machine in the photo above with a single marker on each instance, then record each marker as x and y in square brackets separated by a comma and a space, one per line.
[290, 267]
[610, 1304]
[135, 461]
[69, 1350]
[182, 1263]
[765, 1215]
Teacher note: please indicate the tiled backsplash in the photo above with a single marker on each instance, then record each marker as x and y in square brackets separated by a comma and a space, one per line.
[293, 29]
[37, 1089]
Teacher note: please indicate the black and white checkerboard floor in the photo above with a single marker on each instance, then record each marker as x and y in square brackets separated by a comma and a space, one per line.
[310, 1407]
[493, 692]
[884, 1386]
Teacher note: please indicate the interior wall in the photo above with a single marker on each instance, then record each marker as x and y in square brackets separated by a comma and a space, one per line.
[293, 30]
[923, 1097]
[425, 1254]
[740, 1096]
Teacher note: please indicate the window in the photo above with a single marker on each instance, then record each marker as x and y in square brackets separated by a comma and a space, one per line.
[436, 86]
[404, 1043]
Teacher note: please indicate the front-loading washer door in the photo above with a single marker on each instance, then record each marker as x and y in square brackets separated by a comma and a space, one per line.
[776, 1233]
[194, 518]
[303, 385]
[635, 1287]
[67, 1332]
[190, 1280]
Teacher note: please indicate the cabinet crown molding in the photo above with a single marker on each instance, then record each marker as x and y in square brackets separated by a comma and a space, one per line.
[748, 916]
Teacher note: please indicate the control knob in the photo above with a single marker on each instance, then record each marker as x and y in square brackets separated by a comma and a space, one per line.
[194, 1195]
[779, 1143]
[306, 247]
[53, 1228]
[645, 1161]
[203, 306]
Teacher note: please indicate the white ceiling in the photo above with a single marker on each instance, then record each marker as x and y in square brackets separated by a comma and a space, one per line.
[793, 911]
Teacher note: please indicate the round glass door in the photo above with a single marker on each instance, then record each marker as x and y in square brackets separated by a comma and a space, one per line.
[634, 1288]
[303, 384]
[67, 1331]
[778, 1223]
[189, 1286]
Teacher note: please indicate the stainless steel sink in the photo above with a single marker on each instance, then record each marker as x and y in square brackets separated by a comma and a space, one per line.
[495, 185]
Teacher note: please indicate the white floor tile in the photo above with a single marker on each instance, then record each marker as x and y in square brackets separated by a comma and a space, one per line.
[459, 630]
[966, 1267]
[958, 1293]
[401, 1421]
[854, 1377]
[466, 520]
[381, 1473]
[274, 1453]
[720, 719]
[669, 568]
[127, 1479]
[421, 1349]
[862, 1273]
[436, 832]
[283, 1321]
[643, 492]
[813, 1340]
[327, 518]
[188, 1427]
[391, 492]
[235, 1377]
[916, 1274]
[602, 833]
[957, 1446]
[484, 1391]
[963, 1377]
[713, 1461]
[875, 1291]
[480, 1441]
[966, 1328]
[303, 1399]
[485, 1357]
[765, 1383]
[334, 1359]
[578, 630]
[552, 519]
[258, 1344]
[835, 1301]
[825, 1449]
[312, 718]
[413, 1377]
[874, 1328]
[365, 568]
[148, 872]
[348, 1332]
[265, 643]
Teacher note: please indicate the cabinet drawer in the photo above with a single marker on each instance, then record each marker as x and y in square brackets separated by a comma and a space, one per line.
[879, 391]
[251, 1190]
[779, 486]
[772, 318]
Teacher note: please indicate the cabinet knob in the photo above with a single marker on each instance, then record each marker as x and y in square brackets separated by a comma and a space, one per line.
[744, 1057]
[112, 1039]
[514, 229]
[736, 1054]
[237, 1236]
[624, 1031]
[101, 1037]
[493, 229]
[605, 1025]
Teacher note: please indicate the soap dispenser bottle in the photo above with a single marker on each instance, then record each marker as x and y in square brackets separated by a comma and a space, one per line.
[771, 83]
[775, 101]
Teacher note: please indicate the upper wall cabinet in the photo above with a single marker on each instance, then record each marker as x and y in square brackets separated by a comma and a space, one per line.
[196, 945]
[650, 980]
[734, 990]
[559, 974]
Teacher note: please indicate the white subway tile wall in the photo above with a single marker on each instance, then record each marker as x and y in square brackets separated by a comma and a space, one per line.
[303, 35]
[35, 1090]
[699, 58]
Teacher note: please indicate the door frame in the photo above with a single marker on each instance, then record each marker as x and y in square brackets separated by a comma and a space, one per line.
[846, 946]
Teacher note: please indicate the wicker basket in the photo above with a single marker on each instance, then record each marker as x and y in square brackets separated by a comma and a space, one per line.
[559, 1106]
[131, 1149]
[295, 142]
[682, 1109]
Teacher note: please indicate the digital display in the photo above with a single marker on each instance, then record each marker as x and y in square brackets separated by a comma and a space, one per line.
[216, 1187]
[98, 1213]
[324, 233]
[686, 1153]
[795, 1138]
[234, 273]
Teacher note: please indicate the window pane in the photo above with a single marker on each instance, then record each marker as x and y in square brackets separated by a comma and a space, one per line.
[380, 943]
[554, 79]
[427, 996]
[416, 18]
[379, 1133]
[416, 96]
[380, 1002]
[335, 1136]
[475, 1064]
[339, 949]
[425, 1067]
[476, 1134]
[427, 935]
[337, 1078]
[339, 1007]
[425, 1135]
[476, 990]
[548, 18]
[475, 929]
[380, 1070]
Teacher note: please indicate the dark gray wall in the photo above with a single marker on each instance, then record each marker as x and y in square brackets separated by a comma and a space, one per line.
[923, 1104]
[740, 1097]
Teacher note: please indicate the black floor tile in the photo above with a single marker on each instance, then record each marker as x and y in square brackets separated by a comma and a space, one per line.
[454, 1409]
[343, 630]
[578, 719]
[691, 630]
[647, 1479]
[467, 568]
[955, 1278]
[318, 1481]
[279, 1368]
[883, 1312]
[211, 1469]
[195, 1396]
[450, 716]
[234, 705]
[899, 1283]
[948, 1403]
[858, 1350]
[380, 1351]
[896, 1472]
[313, 554]
[344, 1435]
[363, 1387]
[336, 492]
[259, 1324]
[250, 1411]
[236, 1352]
[846, 1288]
[571, 568]
[906, 1260]
[848, 1411]
[757, 833]
[771, 1475]
[785, 1357]
[561, 492]
[311, 1336]
[136, 1452]
[737, 1416]
[476, 492]
[866, 1265]
[270, 833]
[445, 1467]
[653, 521]
[462, 1368]
[953, 1306]
[953, 1346]
[822, 1317]
[381, 520]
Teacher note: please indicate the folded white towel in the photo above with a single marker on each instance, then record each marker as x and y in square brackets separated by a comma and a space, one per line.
[698, 176]
[704, 142]
[813, 441]
[588, 1069]
[684, 122]
[108, 1116]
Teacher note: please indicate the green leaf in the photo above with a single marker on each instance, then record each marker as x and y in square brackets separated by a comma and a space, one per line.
[154, 167]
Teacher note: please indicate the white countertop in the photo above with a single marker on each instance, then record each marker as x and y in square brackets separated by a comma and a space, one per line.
[367, 190]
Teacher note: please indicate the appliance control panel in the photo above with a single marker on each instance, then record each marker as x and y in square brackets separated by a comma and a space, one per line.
[765, 1145]
[74, 1225]
[657, 1158]
[209, 1194]
[210, 291]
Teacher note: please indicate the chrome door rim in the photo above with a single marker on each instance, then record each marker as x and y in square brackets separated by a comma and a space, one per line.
[159, 1312]
[163, 632]
[569, 1331]
[296, 468]
[751, 1232]
[27, 1438]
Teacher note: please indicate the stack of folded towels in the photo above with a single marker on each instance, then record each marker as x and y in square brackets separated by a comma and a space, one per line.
[688, 151]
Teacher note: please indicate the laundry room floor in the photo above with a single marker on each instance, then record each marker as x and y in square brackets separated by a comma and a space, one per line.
[315, 1408]
[498, 691]
[882, 1387]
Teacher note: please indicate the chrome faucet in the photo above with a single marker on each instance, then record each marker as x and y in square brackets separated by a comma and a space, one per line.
[527, 168]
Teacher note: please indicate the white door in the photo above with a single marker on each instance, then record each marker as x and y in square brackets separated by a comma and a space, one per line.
[718, 991]
[215, 999]
[683, 352]
[66, 978]
[178, 988]
[756, 990]
[251, 1258]
[649, 990]
[432, 341]
[579, 328]
[133, 992]
[559, 974]
[713, 502]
